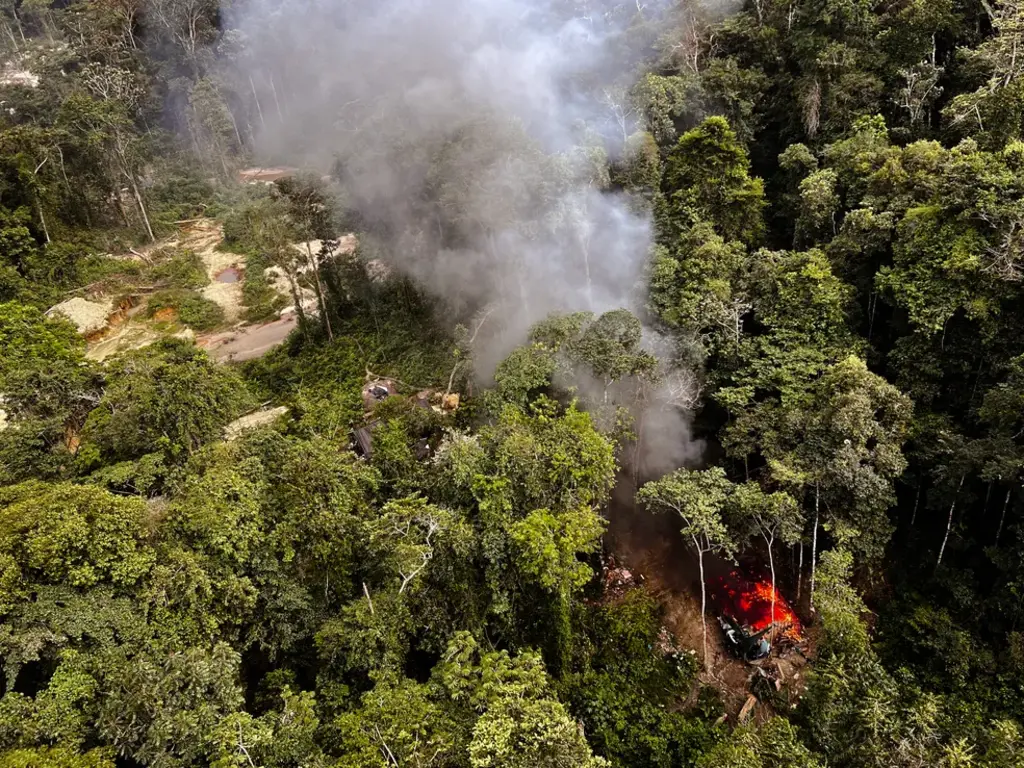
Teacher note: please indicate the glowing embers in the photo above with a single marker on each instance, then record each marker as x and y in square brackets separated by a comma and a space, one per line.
[750, 604]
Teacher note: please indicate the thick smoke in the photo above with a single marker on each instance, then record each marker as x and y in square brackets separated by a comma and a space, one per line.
[471, 137]
[468, 135]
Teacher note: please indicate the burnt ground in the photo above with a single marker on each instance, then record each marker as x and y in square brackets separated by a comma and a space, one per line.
[652, 548]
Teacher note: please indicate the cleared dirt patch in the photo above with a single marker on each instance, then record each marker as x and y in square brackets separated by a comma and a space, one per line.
[653, 549]
[248, 342]
[89, 317]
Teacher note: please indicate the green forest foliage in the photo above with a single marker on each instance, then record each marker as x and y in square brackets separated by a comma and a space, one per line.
[837, 196]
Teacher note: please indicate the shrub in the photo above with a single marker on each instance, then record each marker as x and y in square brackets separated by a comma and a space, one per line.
[182, 269]
[193, 309]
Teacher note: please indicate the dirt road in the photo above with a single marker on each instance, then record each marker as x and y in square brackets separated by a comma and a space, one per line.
[249, 342]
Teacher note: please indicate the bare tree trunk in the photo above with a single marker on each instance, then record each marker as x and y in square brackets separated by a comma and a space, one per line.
[638, 448]
[234, 124]
[703, 608]
[259, 109]
[917, 503]
[277, 103]
[1002, 518]
[10, 34]
[142, 209]
[873, 301]
[771, 566]
[814, 540]
[585, 250]
[42, 220]
[949, 523]
[297, 298]
[121, 209]
[315, 264]
[800, 572]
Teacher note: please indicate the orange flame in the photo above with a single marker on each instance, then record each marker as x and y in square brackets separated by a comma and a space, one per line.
[751, 603]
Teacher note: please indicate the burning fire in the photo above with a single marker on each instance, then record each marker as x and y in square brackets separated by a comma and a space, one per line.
[750, 603]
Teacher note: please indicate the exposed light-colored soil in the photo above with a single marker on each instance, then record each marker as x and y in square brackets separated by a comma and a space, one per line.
[130, 336]
[89, 317]
[264, 175]
[202, 236]
[14, 76]
[279, 282]
[129, 330]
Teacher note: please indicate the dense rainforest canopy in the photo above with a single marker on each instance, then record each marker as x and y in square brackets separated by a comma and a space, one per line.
[320, 470]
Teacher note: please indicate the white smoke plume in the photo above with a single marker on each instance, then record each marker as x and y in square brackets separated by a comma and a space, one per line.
[470, 137]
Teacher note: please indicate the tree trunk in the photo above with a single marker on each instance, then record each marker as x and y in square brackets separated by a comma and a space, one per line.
[315, 264]
[703, 608]
[814, 540]
[10, 34]
[42, 220]
[800, 572]
[949, 523]
[142, 209]
[297, 298]
[259, 109]
[238, 134]
[639, 447]
[917, 503]
[585, 250]
[771, 566]
[273, 89]
[119, 202]
[1002, 518]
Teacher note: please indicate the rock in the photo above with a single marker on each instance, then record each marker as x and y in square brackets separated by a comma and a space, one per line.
[253, 420]
[88, 316]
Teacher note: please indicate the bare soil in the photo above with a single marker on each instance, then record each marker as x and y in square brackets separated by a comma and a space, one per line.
[131, 330]
[249, 341]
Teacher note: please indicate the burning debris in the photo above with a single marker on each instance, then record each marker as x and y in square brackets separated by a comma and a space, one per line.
[751, 605]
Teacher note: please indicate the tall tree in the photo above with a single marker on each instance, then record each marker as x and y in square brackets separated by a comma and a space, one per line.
[698, 497]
